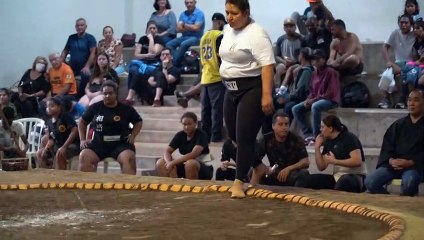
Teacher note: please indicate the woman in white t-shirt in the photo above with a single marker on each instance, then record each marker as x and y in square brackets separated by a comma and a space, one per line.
[247, 71]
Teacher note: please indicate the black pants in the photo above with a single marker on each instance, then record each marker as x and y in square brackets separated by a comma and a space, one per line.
[144, 90]
[212, 99]
[229, 174]
[348, 182]
[27, 108]
[296, 178]
[243, 117]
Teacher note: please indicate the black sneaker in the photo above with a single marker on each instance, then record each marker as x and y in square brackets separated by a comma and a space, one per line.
[384, 104]
[400, 105]
[183, 102]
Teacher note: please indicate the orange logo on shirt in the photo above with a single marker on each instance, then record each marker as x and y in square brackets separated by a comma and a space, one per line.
[116, 118]
[62, 128]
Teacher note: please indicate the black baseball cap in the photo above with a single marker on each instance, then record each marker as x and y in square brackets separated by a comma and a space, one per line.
[218, 16]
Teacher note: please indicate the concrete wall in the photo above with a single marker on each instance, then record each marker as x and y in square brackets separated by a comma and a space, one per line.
[37, 27]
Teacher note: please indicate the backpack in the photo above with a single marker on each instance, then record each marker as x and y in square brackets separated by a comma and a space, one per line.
[355, 95]
[190, 63]
[128, 40]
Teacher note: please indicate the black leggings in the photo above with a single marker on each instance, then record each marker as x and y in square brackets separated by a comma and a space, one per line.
[348, 182]
[243, 117]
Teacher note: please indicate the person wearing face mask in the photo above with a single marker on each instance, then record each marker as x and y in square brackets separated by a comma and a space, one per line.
[32, 88]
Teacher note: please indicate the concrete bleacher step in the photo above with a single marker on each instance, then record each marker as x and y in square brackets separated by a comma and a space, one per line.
[165, 124]
[166, 112]
[188, 79]
[173, 101]
[156, 136]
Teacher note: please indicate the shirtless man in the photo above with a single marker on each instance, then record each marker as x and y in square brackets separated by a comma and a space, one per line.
[345, 50]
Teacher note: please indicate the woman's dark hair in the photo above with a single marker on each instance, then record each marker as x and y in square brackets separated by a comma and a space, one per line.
[306, 53]
[243, 5]
[411, 20]
[97, 72]
[419, 23]
[417, 6]
[111, 28]
[156, 5]
[279, 113]
[110, 83]
[150, 22]
[335, 123]
[191, 115]
[5, 90]
[64, 105]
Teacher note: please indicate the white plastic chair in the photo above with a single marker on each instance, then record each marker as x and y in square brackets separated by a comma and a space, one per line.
[33, 128]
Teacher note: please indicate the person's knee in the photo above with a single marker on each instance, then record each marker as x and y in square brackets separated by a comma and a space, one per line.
[371, 183]
[160, 163]
[191, 165]
[88, 157]
[410, 184]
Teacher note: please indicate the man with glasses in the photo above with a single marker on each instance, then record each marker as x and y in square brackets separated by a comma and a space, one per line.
[401, 41]
[191, 24]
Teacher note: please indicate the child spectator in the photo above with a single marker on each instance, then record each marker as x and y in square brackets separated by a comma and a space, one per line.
[61, 141]
[192, 144]
[412, 9]
[227, 169]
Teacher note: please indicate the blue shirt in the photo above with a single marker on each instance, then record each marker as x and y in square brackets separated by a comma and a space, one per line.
[196, 17]
[79, 48]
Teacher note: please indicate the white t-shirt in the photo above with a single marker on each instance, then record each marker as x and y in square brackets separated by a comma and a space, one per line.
[401, 44]
[244, 52]
[17, 130]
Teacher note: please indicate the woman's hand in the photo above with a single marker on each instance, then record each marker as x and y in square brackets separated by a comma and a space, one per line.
[267, 106]
[84, 143]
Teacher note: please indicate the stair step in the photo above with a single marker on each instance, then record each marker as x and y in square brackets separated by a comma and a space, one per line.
[166, 112]
[188, 79]
[164, 124]
[156, 136]
[172, 101]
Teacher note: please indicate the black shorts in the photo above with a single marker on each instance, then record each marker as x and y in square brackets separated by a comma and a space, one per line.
[355, 71]
[106, 150]
[205, 171]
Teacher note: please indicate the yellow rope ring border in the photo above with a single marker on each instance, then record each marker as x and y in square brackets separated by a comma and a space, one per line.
[396, 224]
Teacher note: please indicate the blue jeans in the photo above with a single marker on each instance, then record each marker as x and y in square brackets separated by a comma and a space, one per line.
[134, 69]
[411, 179]
[317, 108]
[183, 44]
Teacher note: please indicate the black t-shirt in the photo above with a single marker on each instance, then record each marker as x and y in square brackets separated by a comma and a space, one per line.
[110, 75]
[419, 47]
[320, 40]
[229, 151]
[286, 153]
[61, 129]
[174, 71]
[144, 42]
[32, 86]
[342, 145]
[185, 146]
[111, 124]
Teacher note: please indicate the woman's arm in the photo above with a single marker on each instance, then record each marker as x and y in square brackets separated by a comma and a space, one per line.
[197, 151]
[354, 161]
[168, 154]
[135, 131]
[267, 85]
[118, 55]
[321, 164]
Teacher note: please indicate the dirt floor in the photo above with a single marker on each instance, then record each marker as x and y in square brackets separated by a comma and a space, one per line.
[87, 214]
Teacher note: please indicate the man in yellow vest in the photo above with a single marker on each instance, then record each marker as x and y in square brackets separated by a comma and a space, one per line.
[212, 94]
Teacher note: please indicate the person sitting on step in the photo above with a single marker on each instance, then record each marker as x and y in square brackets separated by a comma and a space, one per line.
[402, 152]
[10, 132]
[227, 170]
[192, 144]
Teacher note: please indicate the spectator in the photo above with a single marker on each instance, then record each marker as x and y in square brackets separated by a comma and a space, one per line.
[212, 93]
[412, 9]
[298, 90]
[402, 41]
[191, 24]
[82, 48]
[418, 53]
[147, 53]
[10, 132]
[248, 72]
[324, 94]
[165, 20]
[345, 50]
[102, 72]
[192, 144]
[343, 150]
[161, 82]
[227, 169]
[285, 149]
[317, 8]
[112, 134]
[286, 49]
[61, 141]
[5, 100]
[402, 152]
[32, 88]
[113, 48]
